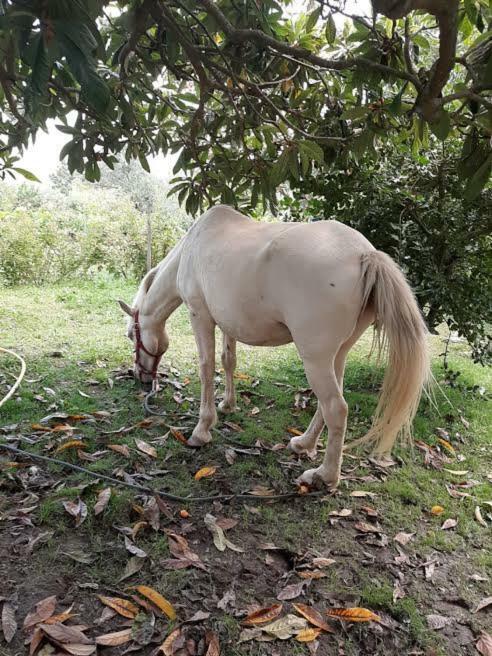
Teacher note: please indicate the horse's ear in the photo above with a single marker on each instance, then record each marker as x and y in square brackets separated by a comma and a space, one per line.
[126, 308]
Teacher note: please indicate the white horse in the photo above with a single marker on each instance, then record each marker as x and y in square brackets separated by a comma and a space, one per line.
[319, 285]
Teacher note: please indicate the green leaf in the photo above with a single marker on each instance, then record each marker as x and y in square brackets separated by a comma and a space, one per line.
[143, 161]
[331, 30]
[27, 174]
[478, 180]
[442, 126]
[313, 19]
[354, 113]
[312, 150]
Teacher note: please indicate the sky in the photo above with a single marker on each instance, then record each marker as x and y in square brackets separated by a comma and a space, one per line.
[42, 157]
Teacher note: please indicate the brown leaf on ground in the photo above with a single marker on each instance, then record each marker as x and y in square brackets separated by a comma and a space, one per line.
[307, 635]
[102, 500]
[218, 536]
[484, 644]
[353, 614]
[77, 509]
[79, 649]
[449, 523]
[482, 604]
[403, 538]
[177, 434]
[313, 617]
[70, 444]
[285, 627]
[121, 606]
[362, 493]
[291, 591]
[213, 644]
[157, 599]
[65, 634]
[205, 472]
[146, 448]
[36, 639]
[437, 622]
[263, 615]
[133, 566]
[114, 639]
[184, 556]
[9, 623]
[364, 527]
[44, 609]
[174, 641]
[120, 448]
[132, 548]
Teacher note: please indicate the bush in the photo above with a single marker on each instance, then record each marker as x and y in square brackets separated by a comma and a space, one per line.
[90, 230]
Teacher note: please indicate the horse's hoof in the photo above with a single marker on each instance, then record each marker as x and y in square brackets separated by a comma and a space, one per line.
[317, 478]
[226, 408]
[199, 439]
[296, 445]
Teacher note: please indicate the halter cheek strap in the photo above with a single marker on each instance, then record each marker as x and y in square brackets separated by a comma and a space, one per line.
[140, 346]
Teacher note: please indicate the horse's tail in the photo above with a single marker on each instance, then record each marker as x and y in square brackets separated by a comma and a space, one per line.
[400, 329]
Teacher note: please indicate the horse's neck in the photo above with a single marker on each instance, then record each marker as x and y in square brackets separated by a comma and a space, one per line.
[162, 297]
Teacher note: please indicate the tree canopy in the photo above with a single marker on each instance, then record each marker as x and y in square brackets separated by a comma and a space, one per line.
[249, 96]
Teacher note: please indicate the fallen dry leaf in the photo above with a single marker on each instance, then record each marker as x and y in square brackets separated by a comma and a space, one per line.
[323, 562]
[437, 510]
[77, 509]
[456, 472]
[102, 500]
[479, 518]
[307, 635]
[213, 644]
[364, 527]
[362, 493]
[205, 472]
[65, 634]
[285, 627]
[43, 610]
[484, 644]
[9, 623]
[449, 523]
[313, 617]
[132, 548]
[179, 436]
[146, 448]
[353, 614]
[77, 649]
[403, 538]
[291, 591]
[263, 615]
[121, 606]
[114, 639]
[120, 448]
[437, 622]
[70, 444]
[482, 604]
[157, 599]
[172, 643]
[218, 536]
[133, 566]
[344, 512]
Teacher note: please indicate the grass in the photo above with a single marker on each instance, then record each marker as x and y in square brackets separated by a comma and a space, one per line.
[73, 339]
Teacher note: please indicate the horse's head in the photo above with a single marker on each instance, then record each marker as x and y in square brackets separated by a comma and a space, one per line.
[150, 342]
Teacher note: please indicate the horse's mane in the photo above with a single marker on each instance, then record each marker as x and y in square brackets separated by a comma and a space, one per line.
[144, 287]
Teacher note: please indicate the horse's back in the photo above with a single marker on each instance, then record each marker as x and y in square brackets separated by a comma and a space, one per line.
[258, 280]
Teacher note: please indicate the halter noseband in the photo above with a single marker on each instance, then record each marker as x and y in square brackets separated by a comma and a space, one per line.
[140, 346]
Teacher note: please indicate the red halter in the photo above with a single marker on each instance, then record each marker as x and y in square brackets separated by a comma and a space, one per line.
[139, 346]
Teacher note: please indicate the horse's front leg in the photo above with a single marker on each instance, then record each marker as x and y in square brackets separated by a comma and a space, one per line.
[204, 329]
[229, 364]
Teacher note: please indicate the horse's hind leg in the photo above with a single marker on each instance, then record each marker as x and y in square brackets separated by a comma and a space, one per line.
[229, 364]
[308, 441]
[204, 329]
[321, 376]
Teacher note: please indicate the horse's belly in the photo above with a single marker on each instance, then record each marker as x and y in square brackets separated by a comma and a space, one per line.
[257, 334]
